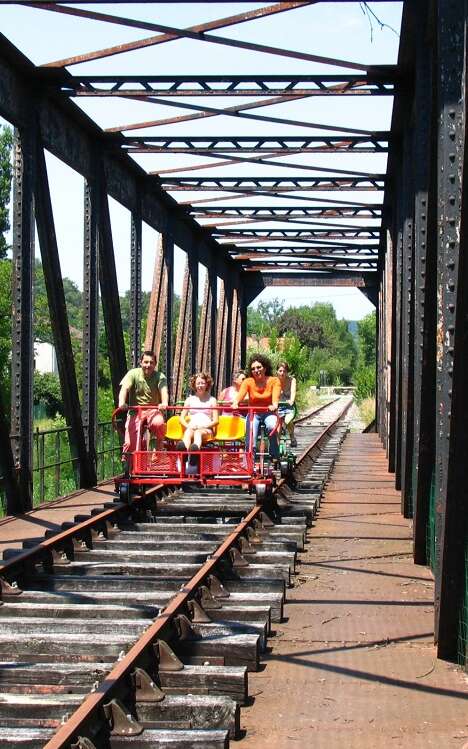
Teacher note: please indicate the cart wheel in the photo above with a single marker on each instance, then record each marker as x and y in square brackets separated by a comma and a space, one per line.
[260, 493]
[284, 469]
[124, 492]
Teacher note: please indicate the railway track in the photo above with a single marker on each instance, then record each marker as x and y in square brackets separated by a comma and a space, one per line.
[138, 627]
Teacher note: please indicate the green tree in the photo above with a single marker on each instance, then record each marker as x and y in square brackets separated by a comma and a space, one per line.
[262, 318]
[47, 392]
[364, 377]
[366, 330]
[6, 143]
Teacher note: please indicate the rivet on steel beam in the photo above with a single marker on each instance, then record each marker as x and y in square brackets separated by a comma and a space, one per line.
[451, 308]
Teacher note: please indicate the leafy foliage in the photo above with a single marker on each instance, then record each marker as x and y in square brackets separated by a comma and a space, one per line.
[47, 392]
[262, 318]
[6, 143]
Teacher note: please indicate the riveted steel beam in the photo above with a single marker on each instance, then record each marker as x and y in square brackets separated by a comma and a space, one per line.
[375, 143]
[157, 305]
[110, 299]
[136, 249]
[203, 350]
[425, 174]
[382, 84]
[168, 254]
[183, 333]
[451, 531]
[92, 199]
[59, 322]
[269, 185]
[22, 354]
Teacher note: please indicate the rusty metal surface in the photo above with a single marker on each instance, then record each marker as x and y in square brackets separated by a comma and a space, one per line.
[355, 663]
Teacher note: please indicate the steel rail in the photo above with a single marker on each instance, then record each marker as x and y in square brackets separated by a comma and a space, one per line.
[95, 701]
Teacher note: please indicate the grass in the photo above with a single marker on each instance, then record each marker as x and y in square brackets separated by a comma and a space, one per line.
[367, 410]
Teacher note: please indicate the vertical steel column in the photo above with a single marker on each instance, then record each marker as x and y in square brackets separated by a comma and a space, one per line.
[110, 292]
[7, 467]
[451, 492]
[168, 254]
[59, 321]
[90, 317]
[181, 346]
[229, 300]
[407, 330]
[389, 290]
[236, 330]
[243, 332]
[395, 422]
[135, 283]
[22, 355]
[157, 305]
[425, 175]
[221, 338]
[193, 271]
[204, 334]
[213, 281]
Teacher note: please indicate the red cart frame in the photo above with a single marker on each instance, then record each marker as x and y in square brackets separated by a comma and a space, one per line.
[220, 462]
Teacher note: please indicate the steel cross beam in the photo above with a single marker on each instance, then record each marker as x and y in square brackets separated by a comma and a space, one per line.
[286, 212]
[370, 232]
[274, 184]
[142, 86]
[359, 251]
[374, 143]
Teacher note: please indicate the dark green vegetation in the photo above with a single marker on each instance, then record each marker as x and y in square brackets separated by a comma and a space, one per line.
[319, 349]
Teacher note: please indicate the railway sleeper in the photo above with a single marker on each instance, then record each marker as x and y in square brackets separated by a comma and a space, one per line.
[36, 738]
[203, 678]
[256, 606]
[174, 711]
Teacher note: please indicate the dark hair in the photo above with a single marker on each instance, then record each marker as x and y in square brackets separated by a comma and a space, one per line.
[205, 375]
[283, 364]
[148, 353]
[264, 361]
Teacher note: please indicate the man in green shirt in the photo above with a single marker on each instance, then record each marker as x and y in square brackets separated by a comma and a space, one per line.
[144, 386]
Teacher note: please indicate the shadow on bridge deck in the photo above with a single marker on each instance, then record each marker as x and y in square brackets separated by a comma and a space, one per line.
[355, 663]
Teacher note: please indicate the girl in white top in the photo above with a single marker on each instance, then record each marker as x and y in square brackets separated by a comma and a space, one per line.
[200, 415]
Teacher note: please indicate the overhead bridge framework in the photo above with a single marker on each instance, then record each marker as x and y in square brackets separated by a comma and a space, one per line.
[291, 227]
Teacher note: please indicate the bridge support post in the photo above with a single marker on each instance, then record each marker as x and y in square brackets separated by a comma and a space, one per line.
[425, 302]
[22, 357]
[451, 491]
[59, 321]
[90, 321]
[135, 282]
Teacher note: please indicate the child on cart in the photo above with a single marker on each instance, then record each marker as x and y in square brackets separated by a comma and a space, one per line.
[287, 408]
[199, 416]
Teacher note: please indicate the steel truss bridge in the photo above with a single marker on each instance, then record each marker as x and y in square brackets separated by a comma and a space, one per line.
[390, 220]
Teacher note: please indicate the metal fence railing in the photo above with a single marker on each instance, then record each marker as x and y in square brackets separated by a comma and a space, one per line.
[55, 470]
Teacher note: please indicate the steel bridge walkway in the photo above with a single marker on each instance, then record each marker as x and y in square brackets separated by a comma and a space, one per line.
[356, 660]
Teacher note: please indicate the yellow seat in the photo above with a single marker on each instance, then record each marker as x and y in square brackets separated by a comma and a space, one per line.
[174, 429]
[229, 429]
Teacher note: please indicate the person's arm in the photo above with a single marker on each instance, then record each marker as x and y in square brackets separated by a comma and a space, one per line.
[164, 393]
[123, 395]
[183, 415]
[222, 395]
[275, 395]
[214, 414]
[293, 391]
[241, 393]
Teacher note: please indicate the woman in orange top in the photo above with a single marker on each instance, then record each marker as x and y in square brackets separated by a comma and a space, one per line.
[263, 390]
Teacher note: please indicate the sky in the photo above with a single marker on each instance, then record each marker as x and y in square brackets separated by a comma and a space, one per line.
[340, 30]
